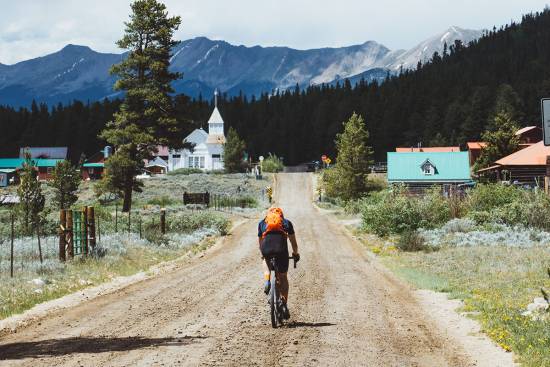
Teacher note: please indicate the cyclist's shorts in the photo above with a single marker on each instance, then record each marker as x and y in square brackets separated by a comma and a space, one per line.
[281, 263]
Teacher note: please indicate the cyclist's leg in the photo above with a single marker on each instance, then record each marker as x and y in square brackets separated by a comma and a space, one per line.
[282, 285]
[281, 270]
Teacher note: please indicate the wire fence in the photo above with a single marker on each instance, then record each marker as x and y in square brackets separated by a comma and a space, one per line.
[44, 246]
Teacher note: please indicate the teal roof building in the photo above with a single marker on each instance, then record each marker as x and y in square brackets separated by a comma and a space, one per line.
[17, 163]
[428, 168]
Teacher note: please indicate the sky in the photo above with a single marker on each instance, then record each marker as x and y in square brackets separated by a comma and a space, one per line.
[33, 28]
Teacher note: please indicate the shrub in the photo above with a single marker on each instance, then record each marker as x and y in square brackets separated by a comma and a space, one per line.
[189, 222]
[162, 201]
[272, 164]
[393, 211]
[185, 171]
[412, 241]
[486, 197]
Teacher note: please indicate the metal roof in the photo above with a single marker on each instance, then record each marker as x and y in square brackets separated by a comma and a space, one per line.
[18, 162]
[216, 117]
[449, 167]
[427, 149]
[93, 165]
[534, 155]
[44, 152]
[159, 162]
[472, 145]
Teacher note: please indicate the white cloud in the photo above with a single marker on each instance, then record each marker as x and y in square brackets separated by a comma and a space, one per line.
[32, 28]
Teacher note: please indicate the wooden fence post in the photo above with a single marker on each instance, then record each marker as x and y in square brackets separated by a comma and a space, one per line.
[69, 238]
[163, 221]
[139, 218]
[116, 218]
[129, 221]
[62, 229]
[91, 227]
[12, 237]
[99, 228]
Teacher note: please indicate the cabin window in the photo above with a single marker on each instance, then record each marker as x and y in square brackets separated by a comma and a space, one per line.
[176, 156]
[428, 168]
[90, 171]
[49, 170]
[196, 162]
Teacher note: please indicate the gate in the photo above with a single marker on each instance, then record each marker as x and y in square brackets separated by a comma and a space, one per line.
[76, 232]
[79, 233]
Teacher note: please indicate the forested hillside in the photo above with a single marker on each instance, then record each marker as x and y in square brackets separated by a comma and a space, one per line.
[446, 101]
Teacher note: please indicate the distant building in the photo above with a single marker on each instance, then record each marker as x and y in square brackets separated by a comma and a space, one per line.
[93, 167]
[427, 149]
[44, 152]
[207, 153]
[527, 136]
[10, 166]
[526, 166]
[474, 150]
[420, 170]
[157, 166]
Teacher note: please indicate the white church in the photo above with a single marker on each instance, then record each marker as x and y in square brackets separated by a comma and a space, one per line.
[207, 153]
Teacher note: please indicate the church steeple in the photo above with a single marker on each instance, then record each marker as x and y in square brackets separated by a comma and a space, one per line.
[215, 124]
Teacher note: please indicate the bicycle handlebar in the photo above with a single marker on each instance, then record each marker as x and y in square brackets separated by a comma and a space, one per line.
[295, 262]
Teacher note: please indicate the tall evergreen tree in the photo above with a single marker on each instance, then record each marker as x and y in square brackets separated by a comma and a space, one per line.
[348, 179]
[233, 152]
[31, 198]
[146, 117]
[65, 182]
[501, 140]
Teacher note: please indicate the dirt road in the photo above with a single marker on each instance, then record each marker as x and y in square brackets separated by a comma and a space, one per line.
[212, 311]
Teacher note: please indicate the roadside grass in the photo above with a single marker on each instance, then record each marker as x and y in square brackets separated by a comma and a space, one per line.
[496, 284]
[117, 254]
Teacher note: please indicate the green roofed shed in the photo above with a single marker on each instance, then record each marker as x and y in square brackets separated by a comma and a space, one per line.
[429, 168]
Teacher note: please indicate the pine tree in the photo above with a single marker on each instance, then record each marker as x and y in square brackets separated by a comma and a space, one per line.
[31, 198]
[501, 140]
[146, 117]
[233, 152]
[65, 182]
[348, 179]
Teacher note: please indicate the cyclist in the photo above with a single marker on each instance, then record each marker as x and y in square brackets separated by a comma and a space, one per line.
[273, 232]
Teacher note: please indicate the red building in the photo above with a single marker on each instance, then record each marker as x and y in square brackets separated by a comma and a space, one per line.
[93, 168]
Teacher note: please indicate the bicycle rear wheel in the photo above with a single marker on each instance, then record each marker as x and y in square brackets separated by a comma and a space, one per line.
[273, 302]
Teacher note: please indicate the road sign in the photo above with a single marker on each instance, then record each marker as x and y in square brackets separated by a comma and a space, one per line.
[545, 110]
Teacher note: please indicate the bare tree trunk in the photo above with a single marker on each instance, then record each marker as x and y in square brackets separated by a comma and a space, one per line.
[128, 189]
[127, 203]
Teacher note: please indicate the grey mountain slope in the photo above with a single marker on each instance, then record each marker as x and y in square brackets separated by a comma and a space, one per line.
[77, 72]
[425, 50]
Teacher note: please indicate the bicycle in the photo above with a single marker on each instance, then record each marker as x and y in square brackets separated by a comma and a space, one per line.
[274, 298]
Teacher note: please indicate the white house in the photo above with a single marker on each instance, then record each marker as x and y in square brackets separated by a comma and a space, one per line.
[207, 153]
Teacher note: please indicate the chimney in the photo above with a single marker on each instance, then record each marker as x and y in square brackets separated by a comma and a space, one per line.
[107, 152]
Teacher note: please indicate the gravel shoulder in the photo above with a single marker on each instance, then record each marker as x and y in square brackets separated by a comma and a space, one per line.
[346, 310]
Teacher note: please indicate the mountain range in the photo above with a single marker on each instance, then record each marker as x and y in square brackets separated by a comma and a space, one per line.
[78, 72]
